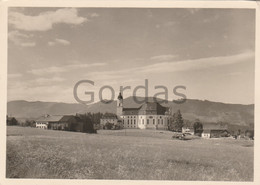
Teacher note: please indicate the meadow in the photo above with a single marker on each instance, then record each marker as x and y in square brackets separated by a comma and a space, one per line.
[125, 154]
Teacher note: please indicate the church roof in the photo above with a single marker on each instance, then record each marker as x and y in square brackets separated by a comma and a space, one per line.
[147, 108]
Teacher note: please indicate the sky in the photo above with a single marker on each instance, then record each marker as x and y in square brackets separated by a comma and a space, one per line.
[209, 51]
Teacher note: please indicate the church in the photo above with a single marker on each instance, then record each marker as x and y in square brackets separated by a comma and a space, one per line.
[149, 115]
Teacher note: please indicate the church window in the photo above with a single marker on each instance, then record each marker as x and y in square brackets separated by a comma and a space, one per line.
[153, 121]
[143, 121]
[134, 121]
[147, 121]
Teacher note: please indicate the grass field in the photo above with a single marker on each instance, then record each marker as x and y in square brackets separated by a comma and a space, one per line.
[130, 154]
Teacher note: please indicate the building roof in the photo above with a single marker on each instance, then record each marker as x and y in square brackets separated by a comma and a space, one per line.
[131, 111]
[147, 108]
[49, 118]
[214, 126]
[66, 118]
[207, 131]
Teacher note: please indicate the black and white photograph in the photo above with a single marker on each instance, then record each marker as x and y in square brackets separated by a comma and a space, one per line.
[159, 93]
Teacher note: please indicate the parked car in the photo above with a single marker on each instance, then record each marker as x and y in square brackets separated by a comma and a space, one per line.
[177, 135]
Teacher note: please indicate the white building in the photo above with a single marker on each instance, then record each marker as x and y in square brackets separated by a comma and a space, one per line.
[44, 121]
[149, 115]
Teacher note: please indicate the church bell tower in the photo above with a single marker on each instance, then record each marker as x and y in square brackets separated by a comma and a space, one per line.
[119, 107]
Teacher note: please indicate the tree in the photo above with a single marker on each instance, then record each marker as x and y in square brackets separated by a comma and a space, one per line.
[108, 126]
[88, 126]
[176, 122]
[198, 127]
[187, 123]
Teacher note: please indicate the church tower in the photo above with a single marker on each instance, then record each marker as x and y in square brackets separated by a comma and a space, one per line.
[119, 106]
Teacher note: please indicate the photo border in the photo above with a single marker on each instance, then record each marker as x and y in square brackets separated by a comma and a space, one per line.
[117, 4]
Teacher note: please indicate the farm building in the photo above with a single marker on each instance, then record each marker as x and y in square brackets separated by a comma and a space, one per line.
[48, 121]
[205, 133]
[69, 123]
[214, 130]
[11, 121]
[60, 122]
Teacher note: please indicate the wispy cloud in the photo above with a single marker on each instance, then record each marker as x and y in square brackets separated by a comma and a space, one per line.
[197, 64]
[43, 71]
[64, 68]
[94, 15]
[59, 41]
[28, 44]
[173, 66]
[21, 39]
[48, 80]
[14, 75]
[164, 57]
[45, 20]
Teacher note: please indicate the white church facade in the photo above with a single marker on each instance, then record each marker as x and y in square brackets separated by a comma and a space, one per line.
[149, 115]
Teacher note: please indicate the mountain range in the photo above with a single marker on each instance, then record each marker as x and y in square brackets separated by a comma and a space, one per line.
[191, 109]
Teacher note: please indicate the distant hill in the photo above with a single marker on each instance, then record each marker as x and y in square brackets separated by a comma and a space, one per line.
[206, 111]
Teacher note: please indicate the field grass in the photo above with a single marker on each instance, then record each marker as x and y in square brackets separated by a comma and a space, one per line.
[125, 154]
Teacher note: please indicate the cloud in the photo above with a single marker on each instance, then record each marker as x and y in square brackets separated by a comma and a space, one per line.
[21, 39]
[163, 57]
[78, 65]
[94, 15]
[59, 41]
[35, 93]
[28, 44]
[45, 20]
[51, 43]
[41, 81]
[197, 64]
[61, 69]
[63, 42]
[42, 71]
[14, 75]
[193, 10]
[173, 66]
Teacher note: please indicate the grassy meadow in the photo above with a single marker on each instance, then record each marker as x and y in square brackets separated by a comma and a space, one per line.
[125, 154]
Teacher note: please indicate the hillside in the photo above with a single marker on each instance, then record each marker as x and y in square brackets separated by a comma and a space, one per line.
[206, 111]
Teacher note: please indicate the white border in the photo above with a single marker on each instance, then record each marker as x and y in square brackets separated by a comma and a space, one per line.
[4, 4]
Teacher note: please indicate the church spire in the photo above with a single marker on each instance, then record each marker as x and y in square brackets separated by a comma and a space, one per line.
[120, 97]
